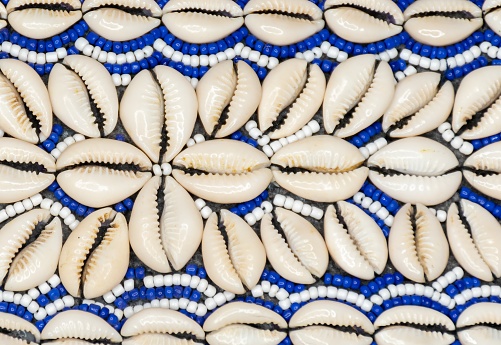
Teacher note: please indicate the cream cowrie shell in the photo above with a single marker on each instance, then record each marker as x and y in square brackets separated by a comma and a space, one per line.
[39, 19]
[294, 248]
[355, 241]
[121, 20]
[292, 94]
[3, 16]
[202, 21]
[417, 244]
[90, 269]
[25, 332]
[478, 324]
[396, 324]
[158, 110]
[25, 170]
[483, 170]
[477, 108]
[25, 109]
[161, 321]
[78, 324]
[359, 91]
[475, 239]
[101, 172]
[236, 262]
[420, 105]
[441, 23]
[223, 171]
[320, 319]
[21, 270]
[228, 94]
[239, 322]
[165, 225]
[320, 168]
[83, 96]
[363, 21]
[492, 14]
[415, 170]
[155, 339]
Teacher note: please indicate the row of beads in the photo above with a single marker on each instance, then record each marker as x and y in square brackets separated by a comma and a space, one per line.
[456, 142]
[298, 206]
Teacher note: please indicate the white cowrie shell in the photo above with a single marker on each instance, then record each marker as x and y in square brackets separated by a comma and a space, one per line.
[354, 20]
[492, 14]
[116, 24]
[202, 21]
[41, 19]
[72, 342]
[292, 94]
[232, 171]
[321, 335]
[237, 263]
[432, 22]
[75, 87]
[159, 103]
[229, 324]
[419, 171]
[3, 16]
[283, 22]
[358, 92]
[483, 170]
[417, 244]
[91, 274]
[474, 324]
[299, 256]
[228, 94]
[412, 336]
[156, 339]
[87, 179]
[163, 321]
[479, 252]
[23, 98]
[479, 91]
[17, 183]
[35, 263]
[355, 242]
[9, 322]
[331, 168]
[171, 233]
[420, 105]
[479, 335]
[79, 325]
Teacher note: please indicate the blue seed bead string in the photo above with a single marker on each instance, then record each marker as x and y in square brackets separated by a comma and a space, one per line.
[241, 137]
[50, 143]
[479, 143]
[246, 207]
[493, 208]
[364, 136]
[458, 72]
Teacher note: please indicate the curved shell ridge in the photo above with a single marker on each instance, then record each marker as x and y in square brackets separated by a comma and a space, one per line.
[292, 6]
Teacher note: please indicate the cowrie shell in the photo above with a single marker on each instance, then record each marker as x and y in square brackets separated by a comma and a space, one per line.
[363, 21]
[397, 327]
[292, 94]
[202, 21]
[492, 14]
[77, 324]
[90, 272]
[18, 182]
[283, 22]
[73, 342]
[234, 263]
[83, 96]
[13, 323]
[157, 339]
[475, 239]
[161, 321]
[25, 110]
[41, 19]
[228, 94]
[329, 168]
[100, 172]
[36, 262]
[420, 105]
[417, 244]
[355, 241]
[121, 20]
[441, 23]
[223, 171]
[3, 16]
[169, 232]
[474, 324]
[158, 110]
[479, 92]
[358, 92]
[294, 248]
[320, 318]
[238, 323]
[415, 170]
[483, 170]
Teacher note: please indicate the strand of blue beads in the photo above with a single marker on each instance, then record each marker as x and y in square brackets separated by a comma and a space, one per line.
[50, 143]
[241, 137]
[493, 208]
[247, 207]
[479, 143]
[366, 135]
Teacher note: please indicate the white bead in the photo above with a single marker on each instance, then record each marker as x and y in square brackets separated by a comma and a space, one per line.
[492, 52]
[158, 280]
[3, 216]
[468, 56]
[157, 170]
[388, 221]
[292, 138]
[285, 304]
[365, 152]
[203, 285]
[314, 292]
[195, 280]
[437, 286]
[459, 298]
[147, 281]
[65, 212]
[435, 65]
[80, 43]
[441, 216]
[295, 298]
[384, 56]
[304, 295]
[448, 135]
[425, 62]
[200, 203]
[23, 55]
[25, 300]
[117, 79]
[201, 310]
[385, 294]
[96, 51]
[308, 55]
[267, 206]
[148, 50]
[401, 289]
[376, 299]
[250, 218]
[264, 140]
[495, 290]
[255, 133]
[307, 131]
[17, 298]
[366, 202]
[59, 304]
[258, 213]
[375, 206]
[410, 70]
[176, 279]
[183, 303]
[380, 143]
[458, 271]
[358, 197]
[266, 285]
[109, 297]
[273, 291]
[50, 309]
[33, 293]
[460, 59]
[33, 307]
[467, 294]
[254, 55]
[11, 212]
[333, 52]
[44, 288]
[322, 291]
[331, 292]
[297, 206]
[118, 313]
[393, 290]
[282, 294]
[210, 292]
[428, 291]
[316, 213]
[367, 306]
[486, 290]
[457, 142]
[414, 59]
[314, 126]
[87, 51]
[32, 56]
[306, 210]
[342, 294]
[466, 148]
[484, 46]
[126, 79]
[317, 52]
[443, 127]
[220, 299]
[451, 62]
[342, 56]
[174, 304]
[18, 207]
[476, 291]
[159, 44]
[289, 201]
[399, 75]
[436, 296]
[444, 299]
[352, 297]
[272, 62]
[40, 314]
[405, 54]
[257, 291]
[475, 50]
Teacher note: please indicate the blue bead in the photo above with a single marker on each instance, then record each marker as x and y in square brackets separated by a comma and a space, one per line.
[393, 206]
[104, 313]
[397, 301]
[94, 309]
[62, 290]
[202, 273]
[140, 272]
[328, 279]
[265, 275]
[187, 292]
[387, 304]
[364, 290]
[53, 294]
[249, 299]
[289, 287]
[377, 310]
[20, 310]
[150, 294]
[48, 145]
[406, 300]
[169, 292]
[195, 296]
[347, 282]
[28, 316]
[389, 279]
[399, 278]
[337, 280]
[380, 282]
[112, 319]
[268, 305]
[385, 200]
[273, 277]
